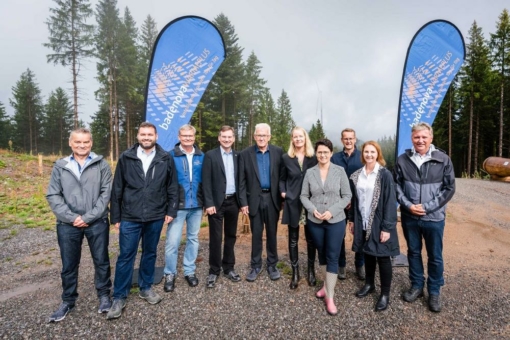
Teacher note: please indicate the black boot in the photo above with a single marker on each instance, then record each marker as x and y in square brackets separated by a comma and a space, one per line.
[293, 254]
[295, 276]
[310, 250]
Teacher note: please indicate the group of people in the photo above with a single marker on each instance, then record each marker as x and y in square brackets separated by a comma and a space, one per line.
[326, 192]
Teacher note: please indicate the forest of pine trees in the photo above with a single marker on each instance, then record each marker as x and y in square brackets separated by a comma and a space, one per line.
[470, 125]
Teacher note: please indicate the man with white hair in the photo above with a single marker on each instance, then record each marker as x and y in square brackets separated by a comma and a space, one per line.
[259, 197]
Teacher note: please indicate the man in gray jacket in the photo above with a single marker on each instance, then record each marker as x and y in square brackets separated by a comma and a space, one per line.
[78, 194]
[425, 184]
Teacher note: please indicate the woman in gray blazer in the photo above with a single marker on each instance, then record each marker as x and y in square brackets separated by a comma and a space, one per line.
[325, 194]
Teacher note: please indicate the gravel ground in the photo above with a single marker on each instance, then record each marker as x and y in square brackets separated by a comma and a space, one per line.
[474, 306]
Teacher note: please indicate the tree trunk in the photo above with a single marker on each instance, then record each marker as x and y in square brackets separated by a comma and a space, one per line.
[477, 134]
[30, 122]
[116, 102]
[223, 108]
[470, 141]
[74, 71]
[128, 124]
[111, 115]
[501, 110]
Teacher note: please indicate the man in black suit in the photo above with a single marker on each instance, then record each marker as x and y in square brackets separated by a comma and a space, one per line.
[219, 184]
[259, 172]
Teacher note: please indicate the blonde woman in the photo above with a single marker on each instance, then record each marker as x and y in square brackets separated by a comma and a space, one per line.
[373, 220]
[295, 162]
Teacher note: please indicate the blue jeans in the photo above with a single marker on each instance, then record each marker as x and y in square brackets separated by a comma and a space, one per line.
[432, 234]
[328, 239]
[193, 218]
[130, 234]
[70, 239]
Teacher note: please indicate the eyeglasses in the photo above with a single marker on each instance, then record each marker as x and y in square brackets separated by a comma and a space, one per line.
[187, 136]
[262, 136]
[323, 153]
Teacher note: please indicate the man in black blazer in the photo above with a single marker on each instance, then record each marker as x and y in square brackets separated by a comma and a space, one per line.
[259, 172]
[219, 184]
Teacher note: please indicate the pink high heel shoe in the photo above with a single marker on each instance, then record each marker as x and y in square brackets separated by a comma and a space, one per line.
[330, 307]
[321, 293]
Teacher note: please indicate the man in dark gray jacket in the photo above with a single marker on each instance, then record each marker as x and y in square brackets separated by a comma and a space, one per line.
[425, 183]
[78, 194]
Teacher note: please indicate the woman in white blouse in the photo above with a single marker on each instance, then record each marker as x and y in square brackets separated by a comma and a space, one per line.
[373, 219]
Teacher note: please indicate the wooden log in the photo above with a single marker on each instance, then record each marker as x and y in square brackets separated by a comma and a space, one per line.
[497, 166]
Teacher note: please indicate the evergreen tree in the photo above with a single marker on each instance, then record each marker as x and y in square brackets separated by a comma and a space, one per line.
[500, 46]
[5, 128]
[71, 38]
[146, 41]
[282, 128]
[107, 47]
[474, 72]
[28, 113]
[228, 85]
[316, 132]
[58, 122]
[254, 85]
[100, 128]
[131, 97]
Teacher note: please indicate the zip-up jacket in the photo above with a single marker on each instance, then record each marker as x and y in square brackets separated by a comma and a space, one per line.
[432, 185]
[87, 196]
[137, 197]
[190, 192]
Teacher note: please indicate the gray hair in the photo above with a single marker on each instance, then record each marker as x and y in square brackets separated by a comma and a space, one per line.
[82, 130]
[187, 127]
[263, 126]
[422, 126]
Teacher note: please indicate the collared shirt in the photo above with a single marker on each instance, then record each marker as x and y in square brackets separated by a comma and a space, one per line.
[365, 191]
[76, 168]
[419, 159]
[228, 162]
[145, 158]
[189, 157]
[264, 164]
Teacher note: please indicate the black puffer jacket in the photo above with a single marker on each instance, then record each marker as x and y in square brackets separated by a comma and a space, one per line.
[140, 198]
[384, 217]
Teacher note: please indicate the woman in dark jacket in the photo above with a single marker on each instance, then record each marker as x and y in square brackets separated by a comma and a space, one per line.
[373, 220]
[295, 162]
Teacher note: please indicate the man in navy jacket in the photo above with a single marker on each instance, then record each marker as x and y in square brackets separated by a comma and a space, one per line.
[350, 160]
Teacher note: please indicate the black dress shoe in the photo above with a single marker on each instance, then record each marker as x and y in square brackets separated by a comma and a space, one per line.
[382, 303]
[365, 290]
[192, 280]
[169, 283]
[434, 303]
[412, 294]
[211, 281]
[232, 276]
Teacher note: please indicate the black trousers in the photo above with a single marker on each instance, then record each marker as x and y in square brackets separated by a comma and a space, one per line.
[385, 271]
[267, 215]
[224, 222]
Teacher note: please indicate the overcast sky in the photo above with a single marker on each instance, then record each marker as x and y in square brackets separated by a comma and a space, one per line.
[349, 53]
